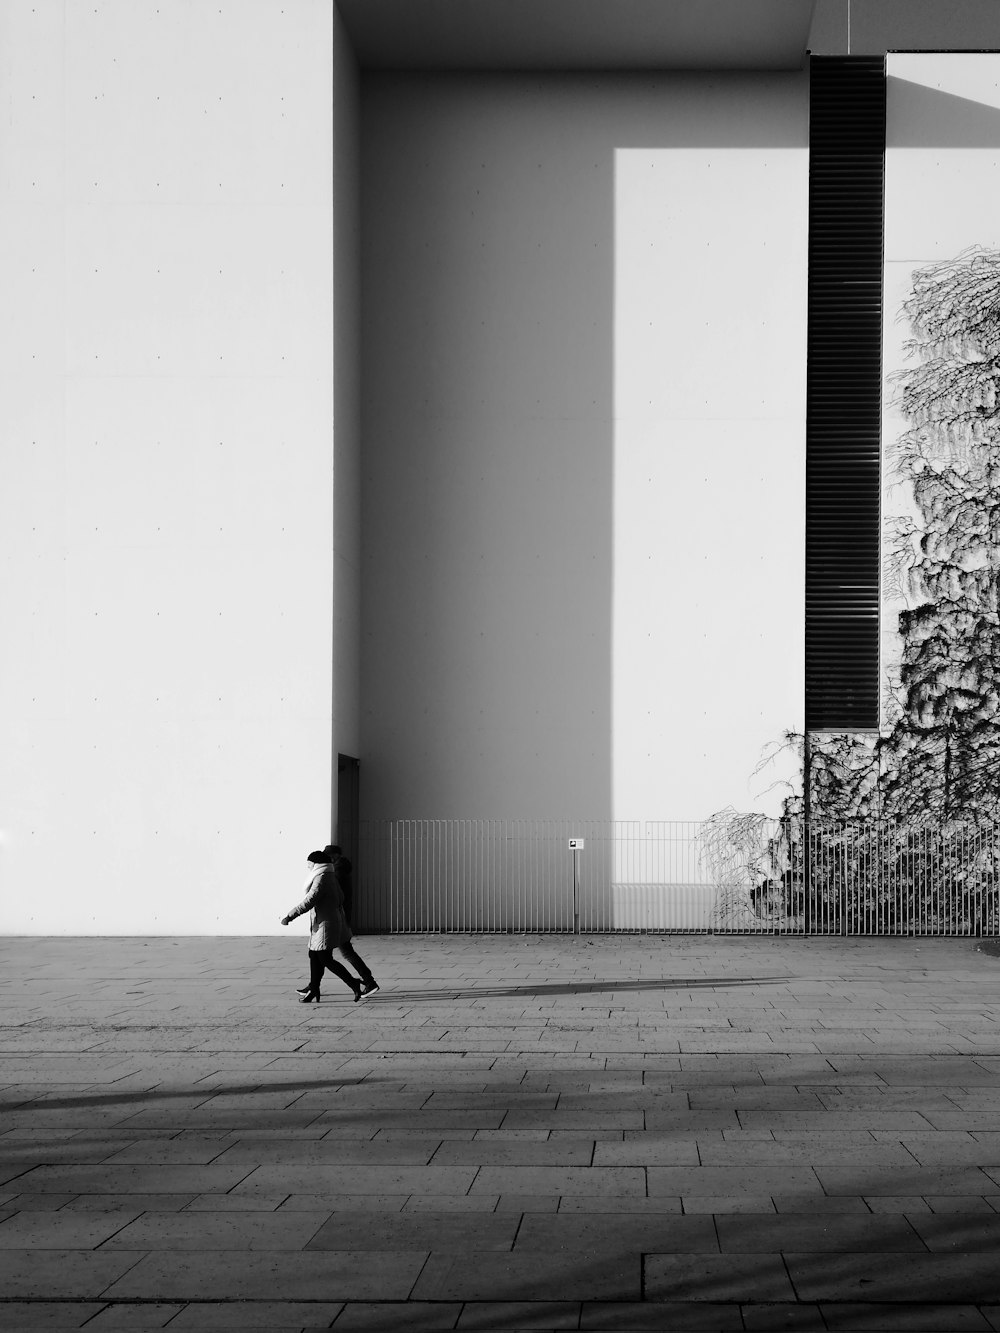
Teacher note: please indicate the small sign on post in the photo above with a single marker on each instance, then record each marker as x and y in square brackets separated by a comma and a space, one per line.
[576, 845]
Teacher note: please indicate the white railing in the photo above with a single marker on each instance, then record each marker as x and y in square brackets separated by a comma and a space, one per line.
[733, 873]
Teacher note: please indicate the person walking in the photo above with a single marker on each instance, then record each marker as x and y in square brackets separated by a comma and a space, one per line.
[328, 930]
[342, 869]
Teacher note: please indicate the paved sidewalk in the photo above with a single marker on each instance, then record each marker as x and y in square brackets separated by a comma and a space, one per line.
[664, 1133]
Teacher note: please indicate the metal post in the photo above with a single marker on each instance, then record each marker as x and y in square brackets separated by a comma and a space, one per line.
[576, 895]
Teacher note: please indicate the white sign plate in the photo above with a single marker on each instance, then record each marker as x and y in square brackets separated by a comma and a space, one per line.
[576, 844]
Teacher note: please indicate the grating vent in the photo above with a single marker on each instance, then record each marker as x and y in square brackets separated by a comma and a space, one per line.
[844, 391]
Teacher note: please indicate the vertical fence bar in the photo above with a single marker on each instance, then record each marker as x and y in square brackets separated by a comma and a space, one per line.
[424, 832]
[392, 835]
[390, 845]
[386, 858]
[532, 863]
[454, 878]
[411, 882]
[496, 864]
[482, 904]
[891, 902]
[405, 873]
[422, 882]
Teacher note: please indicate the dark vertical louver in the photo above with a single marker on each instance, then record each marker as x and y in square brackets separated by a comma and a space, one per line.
[844, 391]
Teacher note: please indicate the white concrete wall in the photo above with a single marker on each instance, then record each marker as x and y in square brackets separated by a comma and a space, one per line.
[347, 396]
[166, 512]
[710, 328]
[942, 195]
[584, 355]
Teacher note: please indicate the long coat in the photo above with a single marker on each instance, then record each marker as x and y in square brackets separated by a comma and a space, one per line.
[328, 927]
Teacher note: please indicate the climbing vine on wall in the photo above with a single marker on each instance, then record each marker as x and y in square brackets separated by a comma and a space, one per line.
[939, 754]
[937, 759]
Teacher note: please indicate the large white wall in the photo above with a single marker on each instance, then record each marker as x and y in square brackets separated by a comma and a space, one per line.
[583, 406]
[346, 396]
[710, 329]
[166, 512]
[942, 195]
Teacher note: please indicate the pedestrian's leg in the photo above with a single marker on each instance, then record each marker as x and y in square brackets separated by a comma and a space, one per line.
[339, 970]
[316, 965]
[360, 966]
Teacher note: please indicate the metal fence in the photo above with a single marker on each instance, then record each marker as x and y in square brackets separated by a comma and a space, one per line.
[733, 873]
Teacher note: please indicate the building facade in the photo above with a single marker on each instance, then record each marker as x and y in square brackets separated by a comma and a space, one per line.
[432, 395]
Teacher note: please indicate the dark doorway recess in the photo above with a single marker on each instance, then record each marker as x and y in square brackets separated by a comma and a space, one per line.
[844, 392]
[348, 784]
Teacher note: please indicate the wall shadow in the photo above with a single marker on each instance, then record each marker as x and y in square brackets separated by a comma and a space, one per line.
[488, 422]
[922, 117]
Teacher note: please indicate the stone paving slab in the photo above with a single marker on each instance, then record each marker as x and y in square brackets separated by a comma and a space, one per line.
[334, 1152]
[133, 1179]
[904, 1318]
[227, 1231]
[266, 1275]
[718, 1181]
[629, 1232]
[61, 1274]
[150, 1315]
[966, 1278]
[917, 1180]
[258, 1314]
[63, 1230]
[879, 1234]
[818, 1151]
[731, 1278]
[483, 1315]
[597, 1133]
[519, 1152]
[419, 1229]
[50, 1314]
[662, 1317]
[616, 1180]
[414, 1317]
[580, 1275]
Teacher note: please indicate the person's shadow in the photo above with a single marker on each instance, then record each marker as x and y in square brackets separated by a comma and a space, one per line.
[546, 988]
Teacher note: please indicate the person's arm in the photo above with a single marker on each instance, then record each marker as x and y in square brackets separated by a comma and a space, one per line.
[304, 905]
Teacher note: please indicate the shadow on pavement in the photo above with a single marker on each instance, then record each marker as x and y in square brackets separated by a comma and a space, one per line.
[42, 1102]
[573, 988]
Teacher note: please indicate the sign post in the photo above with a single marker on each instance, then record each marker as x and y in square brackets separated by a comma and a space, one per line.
[576, 846]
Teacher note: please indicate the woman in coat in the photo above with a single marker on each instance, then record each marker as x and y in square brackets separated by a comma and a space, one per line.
[328, 930]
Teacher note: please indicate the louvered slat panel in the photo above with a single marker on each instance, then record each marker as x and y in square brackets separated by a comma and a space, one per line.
[844, 391]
